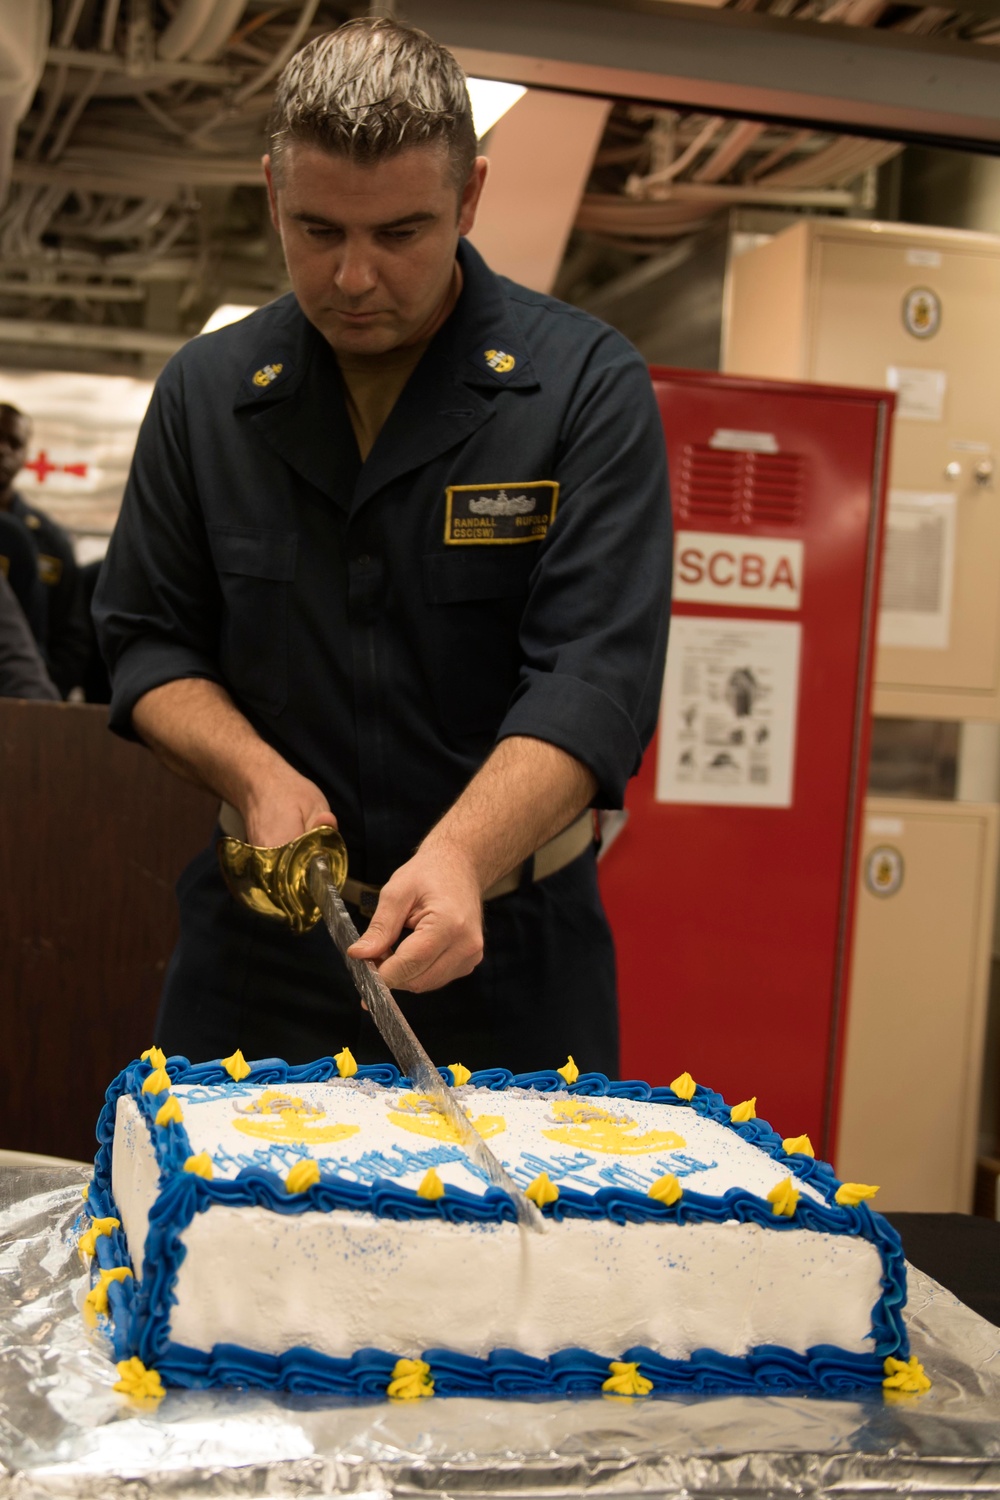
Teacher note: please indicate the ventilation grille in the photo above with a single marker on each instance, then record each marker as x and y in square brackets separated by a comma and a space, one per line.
[739, 489]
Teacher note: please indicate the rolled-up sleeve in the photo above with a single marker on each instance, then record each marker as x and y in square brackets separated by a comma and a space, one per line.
[157, 606]
[594, 633]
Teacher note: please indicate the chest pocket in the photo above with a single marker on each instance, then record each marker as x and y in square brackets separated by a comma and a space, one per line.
[474, 602]
[256, 569]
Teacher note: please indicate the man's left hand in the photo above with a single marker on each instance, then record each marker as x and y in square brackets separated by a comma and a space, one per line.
[437, 895]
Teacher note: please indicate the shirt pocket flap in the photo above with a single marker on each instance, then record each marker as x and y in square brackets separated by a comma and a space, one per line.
[454, 579]
[253, 552]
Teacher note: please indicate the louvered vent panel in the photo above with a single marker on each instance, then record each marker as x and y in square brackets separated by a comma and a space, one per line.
[774, 487]
[709, 485]
[739, 489]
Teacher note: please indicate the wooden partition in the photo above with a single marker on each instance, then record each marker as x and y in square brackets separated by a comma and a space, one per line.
[93, 835]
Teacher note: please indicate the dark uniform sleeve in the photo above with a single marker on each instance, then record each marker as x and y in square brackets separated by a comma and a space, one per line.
[156, 606]
[19, 565]
[22, 670]
[594, 633]
[69, 639]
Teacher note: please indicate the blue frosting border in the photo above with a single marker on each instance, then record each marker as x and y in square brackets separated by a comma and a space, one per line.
[140, 1314]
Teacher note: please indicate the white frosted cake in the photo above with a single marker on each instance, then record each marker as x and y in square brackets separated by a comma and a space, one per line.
[292, 1227]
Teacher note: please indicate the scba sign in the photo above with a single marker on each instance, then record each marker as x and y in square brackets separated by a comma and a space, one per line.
[756, 572]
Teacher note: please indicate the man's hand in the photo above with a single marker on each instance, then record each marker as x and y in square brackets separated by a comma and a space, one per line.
[287, 806]
[437, 895]
[527, 791]
[194, 727]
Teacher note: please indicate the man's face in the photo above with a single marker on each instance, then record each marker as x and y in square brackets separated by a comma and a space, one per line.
[15, 434]
[370, 249]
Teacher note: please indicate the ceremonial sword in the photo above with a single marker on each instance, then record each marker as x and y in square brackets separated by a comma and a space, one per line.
[301, 881]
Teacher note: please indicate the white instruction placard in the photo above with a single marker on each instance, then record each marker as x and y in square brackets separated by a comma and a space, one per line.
[729, 712]
[919, 393]
[918, 570]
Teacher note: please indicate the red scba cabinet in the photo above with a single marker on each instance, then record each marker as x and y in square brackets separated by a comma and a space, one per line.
[733, 922]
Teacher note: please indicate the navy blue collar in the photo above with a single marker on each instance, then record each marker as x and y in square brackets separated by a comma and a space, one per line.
[292, 389]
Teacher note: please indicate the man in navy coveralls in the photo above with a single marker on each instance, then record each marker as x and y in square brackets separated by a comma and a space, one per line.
[394, 555]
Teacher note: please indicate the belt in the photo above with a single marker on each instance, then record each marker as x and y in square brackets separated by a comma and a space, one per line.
[551, 857]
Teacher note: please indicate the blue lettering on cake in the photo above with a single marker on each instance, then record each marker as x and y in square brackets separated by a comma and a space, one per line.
[564, 1168]
[620, 1175]
[212, 1093]
[279, 1158]
[683, 1165]
[399, 1161]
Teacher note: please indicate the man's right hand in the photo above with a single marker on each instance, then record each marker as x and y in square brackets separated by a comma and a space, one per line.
[195, 728]
[284, 807]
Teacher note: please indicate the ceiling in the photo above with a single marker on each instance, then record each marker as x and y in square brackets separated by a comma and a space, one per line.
[134, 130]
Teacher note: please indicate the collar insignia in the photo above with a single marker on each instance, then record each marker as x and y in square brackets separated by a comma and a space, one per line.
[499, 361]
[266, 375]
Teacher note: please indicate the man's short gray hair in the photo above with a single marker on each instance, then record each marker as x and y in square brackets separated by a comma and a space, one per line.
[371, 89]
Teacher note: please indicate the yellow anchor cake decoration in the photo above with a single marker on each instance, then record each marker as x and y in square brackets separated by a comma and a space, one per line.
[418, 1114]
[569, 1071]
[288, 1119]
[579, 1122]
[459, 1075]
[154, 1057]
[741, 1113]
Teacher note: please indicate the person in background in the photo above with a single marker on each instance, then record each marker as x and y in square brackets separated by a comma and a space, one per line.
[22, 670]
[19, 566]
[67, 642]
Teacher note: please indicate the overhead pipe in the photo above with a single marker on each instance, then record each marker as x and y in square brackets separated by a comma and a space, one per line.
[182, 33]
[638, 185]
[219, 28]
[83, 336]
[255, 84]
[24, 35]
[108, 23]
[76, 291]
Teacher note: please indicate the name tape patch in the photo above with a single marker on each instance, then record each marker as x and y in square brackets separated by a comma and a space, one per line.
[489, 514]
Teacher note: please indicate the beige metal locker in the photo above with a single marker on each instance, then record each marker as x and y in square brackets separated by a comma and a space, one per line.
[913, 1057]
[855, 303]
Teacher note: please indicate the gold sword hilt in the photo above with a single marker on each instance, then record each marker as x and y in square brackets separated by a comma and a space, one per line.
[274, 881]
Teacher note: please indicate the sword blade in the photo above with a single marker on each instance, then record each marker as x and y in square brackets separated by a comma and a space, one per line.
[400, 1038]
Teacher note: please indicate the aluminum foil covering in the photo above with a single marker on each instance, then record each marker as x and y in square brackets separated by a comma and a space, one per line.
[65, 1433]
